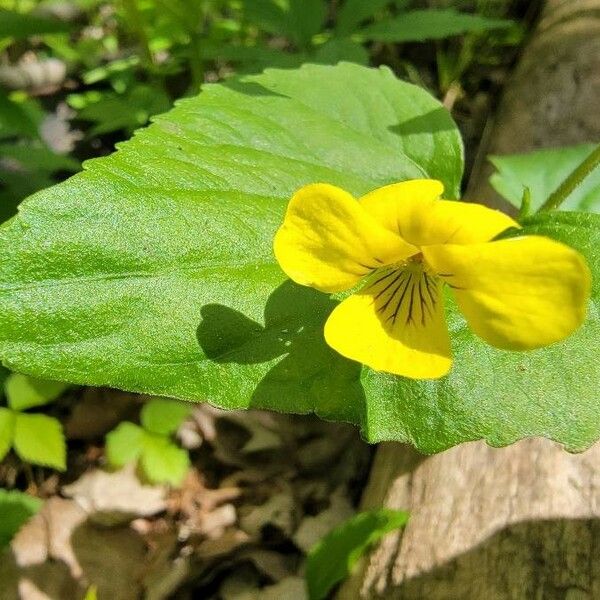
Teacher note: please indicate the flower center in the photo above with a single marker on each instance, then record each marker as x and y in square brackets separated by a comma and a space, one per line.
[406, 293]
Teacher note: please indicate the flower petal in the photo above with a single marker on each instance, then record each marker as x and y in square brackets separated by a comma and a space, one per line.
[519, 293]
[413, 210]
[329, 242]
[395, 324]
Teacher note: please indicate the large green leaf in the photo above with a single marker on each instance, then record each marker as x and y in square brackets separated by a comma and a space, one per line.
[429, 24]
[146, 271]
[153, 271]
[542, 172]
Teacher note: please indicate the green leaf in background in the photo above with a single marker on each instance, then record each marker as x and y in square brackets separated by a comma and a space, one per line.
[333, 558]
[23, 392]
[353, 12]
[16, 508]
[162, 461]
[429, 24]
[153, 270]
[18, 25]
[124, 444]
[39, 439]
[7, 430]
[306, 18]
[298, 20]
[339, 50]
[542, 172]
[4, 373]
[163, 416]
[15, 120]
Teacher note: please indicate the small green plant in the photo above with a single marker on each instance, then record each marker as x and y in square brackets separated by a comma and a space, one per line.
[159, 458]
[36, 438]
[332, 559]
[16, 508]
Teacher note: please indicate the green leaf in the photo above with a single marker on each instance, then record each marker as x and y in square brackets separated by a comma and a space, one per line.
[16, 509]
[124, 444]
[18, 26]
[4, 373]
[354, 12]
[15, 120]
[306, 17]
[163, 416]
[298, 20]
[153, 270]
[128, 111]
[339, 50]
[498, 395]
[333, 558]
[30, 158]
[164, 462]
[7, 430]
[23, 391]
[39, 440]
[542, 172]
[430, 24]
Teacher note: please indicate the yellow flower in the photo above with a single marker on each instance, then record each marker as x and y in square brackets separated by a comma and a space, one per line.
[517, 294]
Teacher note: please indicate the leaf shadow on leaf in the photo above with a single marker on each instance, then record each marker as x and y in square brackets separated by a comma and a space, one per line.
[310, 376]
[431, 123]
[250, 88]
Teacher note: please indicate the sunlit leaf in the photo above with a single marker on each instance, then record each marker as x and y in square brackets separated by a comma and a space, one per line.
[162, 461]
[163, 416]
[124, 444]
[39, 440]
[153, 270]
[25, 392]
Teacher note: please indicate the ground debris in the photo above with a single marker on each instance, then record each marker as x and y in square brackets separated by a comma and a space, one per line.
[262, 489]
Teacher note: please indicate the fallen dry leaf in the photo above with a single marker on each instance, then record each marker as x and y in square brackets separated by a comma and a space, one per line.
[48, 535]
[314, 528]
[115, 498]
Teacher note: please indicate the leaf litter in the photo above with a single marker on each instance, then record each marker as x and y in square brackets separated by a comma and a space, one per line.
[262, 489]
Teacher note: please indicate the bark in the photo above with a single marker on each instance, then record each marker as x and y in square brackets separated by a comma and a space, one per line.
[524, 521]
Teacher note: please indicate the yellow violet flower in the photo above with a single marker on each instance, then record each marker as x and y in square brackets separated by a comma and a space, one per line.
[516, 294]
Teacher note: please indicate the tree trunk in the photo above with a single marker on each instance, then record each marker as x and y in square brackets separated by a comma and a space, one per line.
[524, 521]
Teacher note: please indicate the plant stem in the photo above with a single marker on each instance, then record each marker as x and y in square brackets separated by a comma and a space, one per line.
[573, 181]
